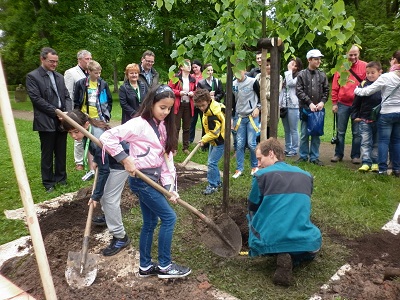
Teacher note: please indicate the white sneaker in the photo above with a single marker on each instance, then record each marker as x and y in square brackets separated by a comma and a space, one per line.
[89, 175]
[237, 174]
[253, 171]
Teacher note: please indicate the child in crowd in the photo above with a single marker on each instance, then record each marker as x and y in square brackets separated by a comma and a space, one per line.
[93, 97]
[110, 182]
[312, 90]
[246, 94]
[361, 112]
[214, 127]
[150, 136]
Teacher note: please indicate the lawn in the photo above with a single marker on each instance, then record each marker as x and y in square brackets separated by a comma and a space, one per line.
[344, 201]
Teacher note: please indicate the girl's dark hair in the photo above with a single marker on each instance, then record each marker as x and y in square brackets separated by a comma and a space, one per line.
[81, 118]
[299, 65]
[156, 94]
[396, 55]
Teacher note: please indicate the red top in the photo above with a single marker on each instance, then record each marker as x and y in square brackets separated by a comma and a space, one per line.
[345, 94]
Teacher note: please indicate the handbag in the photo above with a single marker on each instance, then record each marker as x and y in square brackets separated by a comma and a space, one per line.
[315, 123]
[283, 112]
[377, 109]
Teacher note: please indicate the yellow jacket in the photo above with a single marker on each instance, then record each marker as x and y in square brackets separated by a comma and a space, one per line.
[214, 124]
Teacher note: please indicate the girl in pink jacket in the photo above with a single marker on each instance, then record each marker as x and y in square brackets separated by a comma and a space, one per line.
[151, 134]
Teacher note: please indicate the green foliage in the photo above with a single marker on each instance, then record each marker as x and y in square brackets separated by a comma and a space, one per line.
[297, 23]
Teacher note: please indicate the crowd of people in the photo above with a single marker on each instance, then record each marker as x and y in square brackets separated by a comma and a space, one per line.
[147, 140]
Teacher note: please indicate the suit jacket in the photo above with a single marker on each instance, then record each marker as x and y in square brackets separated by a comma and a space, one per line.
[71, 76]
[44, 99]
[219, 92]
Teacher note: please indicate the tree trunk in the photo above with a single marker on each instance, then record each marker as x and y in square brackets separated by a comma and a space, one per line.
[115, 75]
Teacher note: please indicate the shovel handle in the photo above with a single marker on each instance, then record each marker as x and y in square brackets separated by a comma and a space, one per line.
[184, 163]
[85, 243]
[153, 184]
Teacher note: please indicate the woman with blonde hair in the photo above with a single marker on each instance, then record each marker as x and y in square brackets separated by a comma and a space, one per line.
[131, 92]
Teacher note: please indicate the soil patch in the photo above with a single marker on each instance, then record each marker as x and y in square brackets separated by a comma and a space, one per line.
[62, 231]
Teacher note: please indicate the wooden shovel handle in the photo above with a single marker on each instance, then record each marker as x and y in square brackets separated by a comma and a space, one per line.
[184, 163]
[153, 184]
[85, 243]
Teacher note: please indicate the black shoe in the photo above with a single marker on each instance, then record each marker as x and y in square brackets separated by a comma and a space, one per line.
[152, 271]
[301, 160]
[317, 162]
[173, 271]
[63, 183]
[99, 220]
[396, 173]
[117, 245]
[283, 274]
[49, 189]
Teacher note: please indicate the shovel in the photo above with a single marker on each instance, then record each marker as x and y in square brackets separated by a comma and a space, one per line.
[224, 240]
[184, 163]
[81, 268]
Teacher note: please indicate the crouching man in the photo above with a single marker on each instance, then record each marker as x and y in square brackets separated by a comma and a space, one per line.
[279, 209]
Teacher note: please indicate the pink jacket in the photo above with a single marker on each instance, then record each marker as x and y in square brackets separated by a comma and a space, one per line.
[144, 146]
[345, 94]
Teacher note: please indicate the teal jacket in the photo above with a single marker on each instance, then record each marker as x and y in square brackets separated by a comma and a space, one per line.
[279, 211]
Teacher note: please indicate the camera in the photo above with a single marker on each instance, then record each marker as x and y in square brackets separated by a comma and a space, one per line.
[334, 140]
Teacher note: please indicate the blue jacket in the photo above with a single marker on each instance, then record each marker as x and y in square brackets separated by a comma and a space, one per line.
[279, 211]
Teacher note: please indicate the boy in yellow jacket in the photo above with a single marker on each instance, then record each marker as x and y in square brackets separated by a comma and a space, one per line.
[214, 127]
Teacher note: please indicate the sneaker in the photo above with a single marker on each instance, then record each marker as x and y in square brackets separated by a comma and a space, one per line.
[283, 274]
[173, 271]
[116, 245]
[209, 190]
[253, 171]
[99, 220]
[219, 185]
[317, 162]
[336, 159]
[237, 174]
[364, 168]
[49, 189]
[152, 271]
[374, 168]
[301, 160]
[383, 173]
[89, 175]
[396, 173]
[356, 160]
[290, 154]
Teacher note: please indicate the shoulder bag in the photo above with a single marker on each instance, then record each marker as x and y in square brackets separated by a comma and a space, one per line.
[377, 109]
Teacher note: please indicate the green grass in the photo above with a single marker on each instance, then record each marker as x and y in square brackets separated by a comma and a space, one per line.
[344, 201]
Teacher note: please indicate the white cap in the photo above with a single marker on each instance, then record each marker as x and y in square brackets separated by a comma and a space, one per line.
[314, 53]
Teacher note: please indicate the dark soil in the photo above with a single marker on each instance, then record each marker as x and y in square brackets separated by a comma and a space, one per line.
[62, 231]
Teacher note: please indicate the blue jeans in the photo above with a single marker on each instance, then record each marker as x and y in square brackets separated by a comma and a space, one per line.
[245, 134]
[369, 143]
[307, 148]
[389, 134]
[214, 155]
[154, 205]
[343, 116]
[291, 124]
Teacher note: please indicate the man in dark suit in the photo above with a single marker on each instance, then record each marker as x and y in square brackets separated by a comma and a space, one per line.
[47, 91]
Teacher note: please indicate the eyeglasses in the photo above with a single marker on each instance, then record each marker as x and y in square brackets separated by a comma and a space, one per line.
[52, 61]
[149, 61]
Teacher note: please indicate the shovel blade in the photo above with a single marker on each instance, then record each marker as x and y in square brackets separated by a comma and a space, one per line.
[229, 243]
[78, 276]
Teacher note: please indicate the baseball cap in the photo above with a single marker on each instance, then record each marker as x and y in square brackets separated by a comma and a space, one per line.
[314, 53]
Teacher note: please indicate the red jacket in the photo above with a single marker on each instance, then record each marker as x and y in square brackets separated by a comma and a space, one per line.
[177, 88]
[345, 94]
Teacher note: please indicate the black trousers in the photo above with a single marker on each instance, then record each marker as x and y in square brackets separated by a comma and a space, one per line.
[53, 146]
